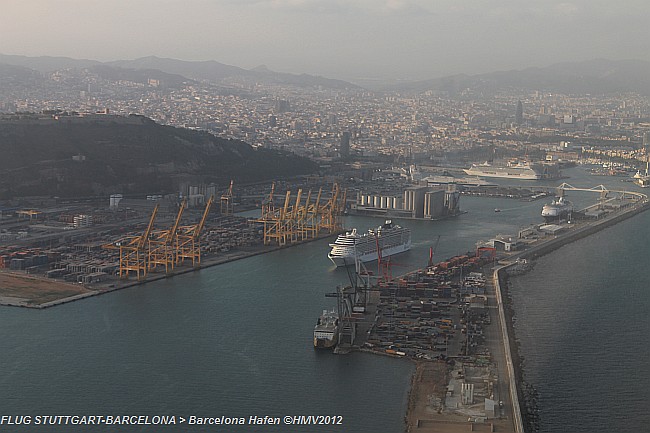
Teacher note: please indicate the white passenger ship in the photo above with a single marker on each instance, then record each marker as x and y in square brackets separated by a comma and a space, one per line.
[389, 239]
[511, 171]
[558, 208]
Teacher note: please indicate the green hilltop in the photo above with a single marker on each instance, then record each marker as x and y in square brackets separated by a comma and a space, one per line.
[83, 155]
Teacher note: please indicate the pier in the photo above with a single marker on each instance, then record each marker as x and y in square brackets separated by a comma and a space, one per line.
[514, 399]
[444, 386]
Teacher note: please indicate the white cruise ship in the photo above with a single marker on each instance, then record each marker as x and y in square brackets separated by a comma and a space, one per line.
[511, 171]
[643, 180]
[558, 208]
[389, 239]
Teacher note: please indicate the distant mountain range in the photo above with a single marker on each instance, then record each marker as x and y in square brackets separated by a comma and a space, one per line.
[173, 71]
[593, 76]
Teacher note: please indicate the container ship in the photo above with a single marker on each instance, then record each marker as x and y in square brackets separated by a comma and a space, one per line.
[522, 171]
[388, 239]
[326, 330]
[558, 208]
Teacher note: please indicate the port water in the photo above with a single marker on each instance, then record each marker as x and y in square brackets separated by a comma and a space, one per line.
[236, 339]
[584, 340]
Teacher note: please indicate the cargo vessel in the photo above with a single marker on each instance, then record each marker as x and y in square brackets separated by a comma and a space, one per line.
[326, 330]
[558, 208]
[387, 239]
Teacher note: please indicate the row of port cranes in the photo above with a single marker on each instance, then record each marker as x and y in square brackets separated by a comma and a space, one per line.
[297, 221]
[141, 254]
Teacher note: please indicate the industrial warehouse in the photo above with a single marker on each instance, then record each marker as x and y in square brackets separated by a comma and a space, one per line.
[417, 202]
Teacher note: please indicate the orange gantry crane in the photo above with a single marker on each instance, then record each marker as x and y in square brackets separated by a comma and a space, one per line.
[133, 254]
[188, 239]
[162, 244]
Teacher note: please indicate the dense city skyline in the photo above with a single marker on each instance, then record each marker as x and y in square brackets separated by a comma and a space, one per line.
[388, 39]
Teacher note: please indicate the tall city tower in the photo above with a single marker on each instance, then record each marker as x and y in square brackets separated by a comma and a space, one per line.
[519, 114]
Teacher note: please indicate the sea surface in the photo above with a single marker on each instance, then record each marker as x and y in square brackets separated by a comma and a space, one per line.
[236, 340]
[583, 324]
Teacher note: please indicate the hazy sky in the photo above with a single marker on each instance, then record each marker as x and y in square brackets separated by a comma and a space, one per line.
[345, 39]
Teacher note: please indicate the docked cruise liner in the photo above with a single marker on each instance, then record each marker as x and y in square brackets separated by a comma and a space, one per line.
[519, 170]
[643, 180]
[326, 330]
[558, 208]
[389, 238]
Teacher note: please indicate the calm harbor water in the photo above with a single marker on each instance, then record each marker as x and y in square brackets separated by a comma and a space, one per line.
[235, 340]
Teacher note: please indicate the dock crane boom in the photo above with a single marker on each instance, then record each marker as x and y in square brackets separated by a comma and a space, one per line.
[206, 212]
[161, 244]
[133, 257]
[226, 201]
[188, 239]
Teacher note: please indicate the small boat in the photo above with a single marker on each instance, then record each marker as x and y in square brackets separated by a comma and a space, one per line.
[497, 210]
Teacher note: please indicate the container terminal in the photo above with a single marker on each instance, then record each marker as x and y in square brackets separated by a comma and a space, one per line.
[451, 319]
[55, 252]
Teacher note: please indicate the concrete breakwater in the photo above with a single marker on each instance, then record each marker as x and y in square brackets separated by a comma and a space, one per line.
[521, 403]
[507, 331]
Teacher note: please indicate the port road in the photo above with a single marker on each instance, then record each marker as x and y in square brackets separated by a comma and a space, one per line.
[498, 342]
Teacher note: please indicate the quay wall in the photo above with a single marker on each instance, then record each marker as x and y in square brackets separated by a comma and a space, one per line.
[518, 423]
[591, 228]
[124, 284]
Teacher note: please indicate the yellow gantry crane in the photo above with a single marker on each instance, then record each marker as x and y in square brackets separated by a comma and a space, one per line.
[188, 239]
[332, 211]
[133, 255]
[227, 207]
[162, 244]
[277, 225]
[269, 216]
[301, 221]
[312, 220]
[302, 231]
[292, 220]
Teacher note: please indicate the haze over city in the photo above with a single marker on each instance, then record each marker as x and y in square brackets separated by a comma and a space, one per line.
[387, 39]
